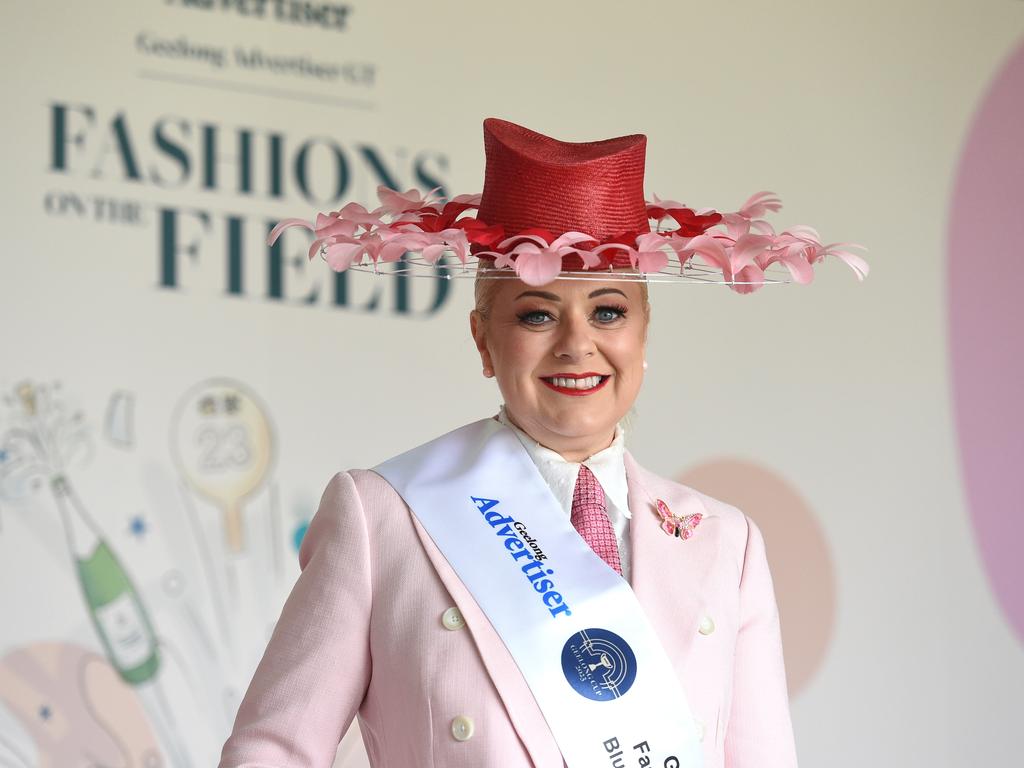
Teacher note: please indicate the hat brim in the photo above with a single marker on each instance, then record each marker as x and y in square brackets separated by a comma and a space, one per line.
[421, 237]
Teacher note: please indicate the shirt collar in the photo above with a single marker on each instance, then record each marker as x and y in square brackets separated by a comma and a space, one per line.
[608, 466]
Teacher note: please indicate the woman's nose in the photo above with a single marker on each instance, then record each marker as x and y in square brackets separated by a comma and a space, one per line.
[574, 340]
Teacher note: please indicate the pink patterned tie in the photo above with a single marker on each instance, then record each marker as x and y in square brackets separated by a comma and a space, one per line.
[590, 518]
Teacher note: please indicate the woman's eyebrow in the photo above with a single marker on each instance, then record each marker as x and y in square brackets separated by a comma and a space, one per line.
[540, 294]
[603, 291]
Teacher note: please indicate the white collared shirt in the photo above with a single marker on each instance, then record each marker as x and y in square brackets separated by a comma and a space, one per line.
[608, 467]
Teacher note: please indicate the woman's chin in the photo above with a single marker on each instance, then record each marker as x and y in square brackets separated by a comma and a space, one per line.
[576, 424]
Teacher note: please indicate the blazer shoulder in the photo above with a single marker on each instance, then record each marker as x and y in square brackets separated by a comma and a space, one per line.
[375, 498]
[372, 486]
[365, 484]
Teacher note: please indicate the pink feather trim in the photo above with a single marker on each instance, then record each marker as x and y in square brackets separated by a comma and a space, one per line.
[741, 245]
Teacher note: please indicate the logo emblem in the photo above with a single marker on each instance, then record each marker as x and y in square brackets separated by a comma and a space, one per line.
[598, 664]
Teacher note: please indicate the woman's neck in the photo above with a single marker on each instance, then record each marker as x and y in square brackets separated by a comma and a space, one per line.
[576, 449]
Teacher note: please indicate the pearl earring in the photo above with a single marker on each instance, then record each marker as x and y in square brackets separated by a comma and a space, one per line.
[645, 365]
[488, 373]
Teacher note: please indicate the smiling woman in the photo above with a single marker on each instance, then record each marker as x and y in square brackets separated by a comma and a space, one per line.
[517, 592]
[568, 359]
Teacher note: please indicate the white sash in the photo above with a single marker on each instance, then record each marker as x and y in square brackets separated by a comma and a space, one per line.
[574, 627]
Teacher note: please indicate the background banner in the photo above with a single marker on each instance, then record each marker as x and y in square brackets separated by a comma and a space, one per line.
[175, 394]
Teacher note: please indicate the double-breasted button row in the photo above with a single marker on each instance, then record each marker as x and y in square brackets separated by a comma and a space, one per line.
[462, 728]
[707, 626]
[452, 619]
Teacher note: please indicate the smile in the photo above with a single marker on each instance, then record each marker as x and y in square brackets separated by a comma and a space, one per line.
[576, 383]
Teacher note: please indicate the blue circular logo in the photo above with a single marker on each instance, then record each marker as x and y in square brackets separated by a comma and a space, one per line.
[598, 664]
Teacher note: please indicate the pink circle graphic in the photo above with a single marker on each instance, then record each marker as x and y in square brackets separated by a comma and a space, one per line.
[798, 556]
[986, 321]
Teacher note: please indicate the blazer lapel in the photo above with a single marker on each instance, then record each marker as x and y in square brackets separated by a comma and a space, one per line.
[668, 574]
[515, 694]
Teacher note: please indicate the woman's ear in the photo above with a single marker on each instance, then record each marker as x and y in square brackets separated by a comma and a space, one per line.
[477, 327]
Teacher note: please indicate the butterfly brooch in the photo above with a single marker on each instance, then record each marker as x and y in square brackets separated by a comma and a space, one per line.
[680, 526]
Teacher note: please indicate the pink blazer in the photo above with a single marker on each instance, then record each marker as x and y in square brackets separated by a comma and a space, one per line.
[367, 630]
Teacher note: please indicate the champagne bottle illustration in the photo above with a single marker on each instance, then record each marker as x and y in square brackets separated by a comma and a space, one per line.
[37, 447]
[117, 612]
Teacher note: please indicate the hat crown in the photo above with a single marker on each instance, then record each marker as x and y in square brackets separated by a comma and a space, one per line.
[532, 180]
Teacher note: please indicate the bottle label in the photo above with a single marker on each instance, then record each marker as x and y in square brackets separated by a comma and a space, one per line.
[127, 634]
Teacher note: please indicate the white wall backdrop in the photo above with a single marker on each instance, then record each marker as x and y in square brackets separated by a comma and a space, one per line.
[176, 395]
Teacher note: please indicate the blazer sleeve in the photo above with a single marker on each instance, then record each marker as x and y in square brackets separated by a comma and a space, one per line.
[316, 668]
[760, 731]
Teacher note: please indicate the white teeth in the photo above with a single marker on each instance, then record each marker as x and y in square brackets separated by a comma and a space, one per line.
[587, 383]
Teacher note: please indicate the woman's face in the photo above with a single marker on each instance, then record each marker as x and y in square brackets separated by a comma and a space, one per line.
[568, 357]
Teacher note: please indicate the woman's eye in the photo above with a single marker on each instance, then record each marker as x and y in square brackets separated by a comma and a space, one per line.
[537, 317]
[608, 314]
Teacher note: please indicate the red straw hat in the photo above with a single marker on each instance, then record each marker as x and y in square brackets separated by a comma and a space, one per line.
[532, 180]
[558, 209]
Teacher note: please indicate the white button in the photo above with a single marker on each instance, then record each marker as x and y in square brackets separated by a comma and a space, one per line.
[452, 619]
[462, 728]
[707, 626]
[700, 727]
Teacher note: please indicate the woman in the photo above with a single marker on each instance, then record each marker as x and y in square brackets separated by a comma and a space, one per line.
[520, 591]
